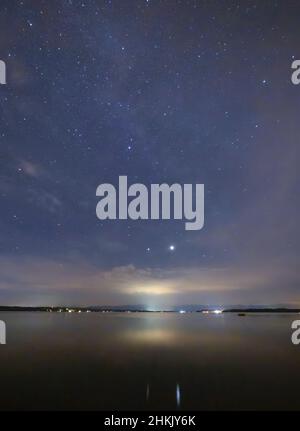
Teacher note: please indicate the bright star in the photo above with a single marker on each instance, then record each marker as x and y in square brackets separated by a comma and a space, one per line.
[172, 247]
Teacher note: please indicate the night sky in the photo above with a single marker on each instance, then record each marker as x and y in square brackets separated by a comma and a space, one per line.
[161, 91]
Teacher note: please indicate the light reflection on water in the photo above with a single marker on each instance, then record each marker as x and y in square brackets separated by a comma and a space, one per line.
[178, 395]
[148, 361]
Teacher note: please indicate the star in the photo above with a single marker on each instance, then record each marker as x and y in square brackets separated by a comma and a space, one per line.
[172, 247]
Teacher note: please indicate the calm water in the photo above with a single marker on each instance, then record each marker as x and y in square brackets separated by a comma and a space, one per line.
[148, 361]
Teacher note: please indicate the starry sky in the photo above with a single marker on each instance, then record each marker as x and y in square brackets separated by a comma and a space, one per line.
[161, 91]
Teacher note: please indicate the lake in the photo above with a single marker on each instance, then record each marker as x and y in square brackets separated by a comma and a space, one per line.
[149, 361]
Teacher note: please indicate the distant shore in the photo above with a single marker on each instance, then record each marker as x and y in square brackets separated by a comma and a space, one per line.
[99, 309]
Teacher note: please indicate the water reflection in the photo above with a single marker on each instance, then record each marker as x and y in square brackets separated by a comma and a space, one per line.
[178, 395]
[156, 336]
[137, 361]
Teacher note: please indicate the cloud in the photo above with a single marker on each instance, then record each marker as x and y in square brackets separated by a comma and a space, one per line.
[30, 169]
[37, 281]
[45, 200]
